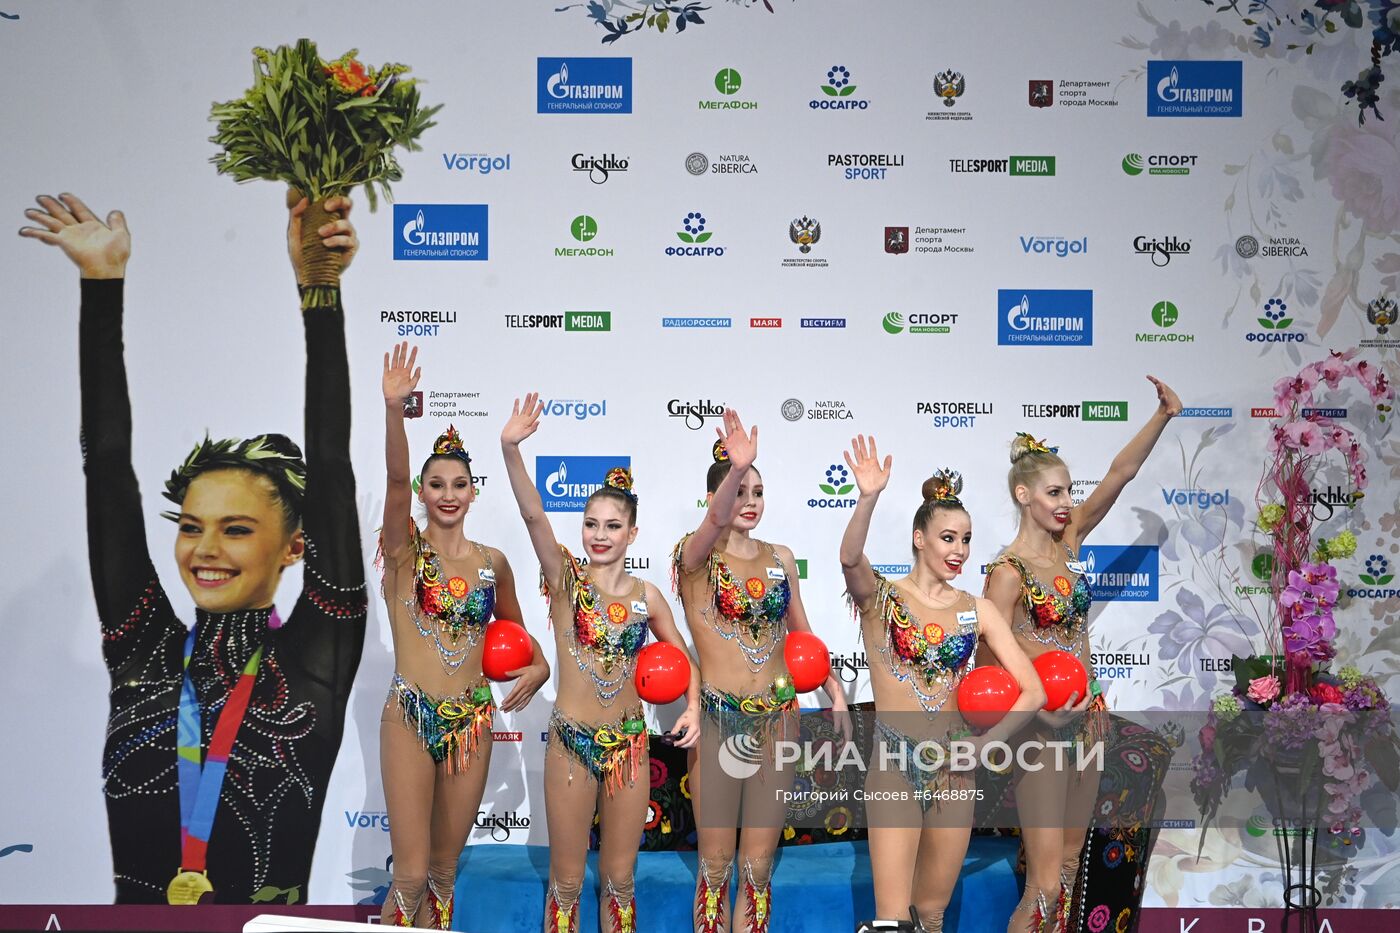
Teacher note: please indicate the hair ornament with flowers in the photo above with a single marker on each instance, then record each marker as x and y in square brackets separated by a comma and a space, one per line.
[272, 455]
[620, 478]
[720, 452]
[946, 486]
[449, 444]
[1033, 446]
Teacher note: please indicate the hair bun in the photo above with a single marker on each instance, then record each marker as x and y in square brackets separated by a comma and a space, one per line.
[620, 478]
[1023, 444]
[720, 452]
[449, 444]
[275, 456]
[943, 486]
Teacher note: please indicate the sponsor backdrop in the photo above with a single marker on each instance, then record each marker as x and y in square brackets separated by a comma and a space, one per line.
[833, 217]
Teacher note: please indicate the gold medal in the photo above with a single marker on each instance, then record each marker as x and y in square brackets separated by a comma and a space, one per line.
[189, 887]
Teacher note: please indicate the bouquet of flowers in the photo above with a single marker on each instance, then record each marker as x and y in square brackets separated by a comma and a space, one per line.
[1286, 715]
[322, 127]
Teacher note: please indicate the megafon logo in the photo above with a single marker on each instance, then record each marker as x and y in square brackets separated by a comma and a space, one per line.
[565, 483]
[440, 231]
[1047, 317]
[1127, 573]
[1195, 89]
[584, 85]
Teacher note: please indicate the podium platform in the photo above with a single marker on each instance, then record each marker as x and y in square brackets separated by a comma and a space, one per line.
[816, 888]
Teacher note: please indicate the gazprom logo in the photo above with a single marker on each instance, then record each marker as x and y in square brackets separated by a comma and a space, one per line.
[1047, 316]
[584, 85]
[1127, 573]
[440, 231]
[1195, 89]
[565, 483]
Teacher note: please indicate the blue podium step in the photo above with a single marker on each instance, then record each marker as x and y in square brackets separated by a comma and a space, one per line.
[826, 887]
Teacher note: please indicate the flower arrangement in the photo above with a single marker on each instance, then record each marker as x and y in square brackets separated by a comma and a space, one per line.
[323, 128]
[1286, 713]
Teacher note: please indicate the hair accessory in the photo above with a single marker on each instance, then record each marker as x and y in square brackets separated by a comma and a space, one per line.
[720, 452]
[272, 455]
[1035, 446]
[620, 478]
[946, 486]
[449, 444]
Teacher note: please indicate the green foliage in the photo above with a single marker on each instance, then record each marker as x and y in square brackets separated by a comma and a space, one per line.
[320, 127]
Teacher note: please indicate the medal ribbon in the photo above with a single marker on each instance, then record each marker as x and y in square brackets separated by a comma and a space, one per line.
[200, 785]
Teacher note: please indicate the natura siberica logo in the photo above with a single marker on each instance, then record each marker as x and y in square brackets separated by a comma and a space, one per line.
[440, 231]
[1195, 89]
[1275, 320]
[837, 92]
[584, 85]
[1045, 317]
[694, 234]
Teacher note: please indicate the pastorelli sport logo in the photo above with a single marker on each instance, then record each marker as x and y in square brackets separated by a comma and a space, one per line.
[1195, 89]
[953, 414]
[1045, 317]
[440, 231]
[584, 85]
[566, 482]
[865, 166]
[1014, 165]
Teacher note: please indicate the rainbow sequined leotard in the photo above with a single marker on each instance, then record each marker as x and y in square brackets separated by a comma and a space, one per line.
[1056, 616]
[752, 612]
[929, 658]
[605, 640]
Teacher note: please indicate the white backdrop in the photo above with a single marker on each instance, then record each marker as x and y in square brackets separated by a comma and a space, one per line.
[111, 101]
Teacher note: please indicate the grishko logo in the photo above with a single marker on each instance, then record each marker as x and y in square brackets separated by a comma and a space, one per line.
[599, 168]
[500, 826]
[695, 412]
[742, 755]
[1161, 251]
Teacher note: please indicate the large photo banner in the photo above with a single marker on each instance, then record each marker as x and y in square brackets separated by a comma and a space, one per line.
[941, 226]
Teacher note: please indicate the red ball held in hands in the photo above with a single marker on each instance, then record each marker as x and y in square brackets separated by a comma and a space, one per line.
[507, 649]
[1062, 674]
[808, 662]
[987, 694]
[663, 673]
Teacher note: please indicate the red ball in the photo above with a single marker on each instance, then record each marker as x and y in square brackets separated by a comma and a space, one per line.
[987, 694]
[808, 661]
[1062, 674]
[508, 648]
[663, 673]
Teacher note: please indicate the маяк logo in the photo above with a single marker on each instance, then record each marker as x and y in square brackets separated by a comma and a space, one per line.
[584, 85]
[440, 231]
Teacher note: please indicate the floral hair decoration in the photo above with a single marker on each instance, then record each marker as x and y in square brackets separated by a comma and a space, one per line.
[620, 478]
[1036, 447]
[449, 444]
[272, 455]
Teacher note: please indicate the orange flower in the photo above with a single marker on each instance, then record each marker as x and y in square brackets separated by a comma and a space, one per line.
[350, 76]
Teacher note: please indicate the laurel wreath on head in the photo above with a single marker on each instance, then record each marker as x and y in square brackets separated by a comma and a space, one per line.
[260, 454]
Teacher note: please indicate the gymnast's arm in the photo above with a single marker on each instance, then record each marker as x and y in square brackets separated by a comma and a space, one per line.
[130, 602]
[330, 621]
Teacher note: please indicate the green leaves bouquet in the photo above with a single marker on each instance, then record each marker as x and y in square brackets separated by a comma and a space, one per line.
[322, 127]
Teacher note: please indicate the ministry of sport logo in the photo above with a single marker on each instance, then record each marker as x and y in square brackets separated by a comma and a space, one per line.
[584, 85]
